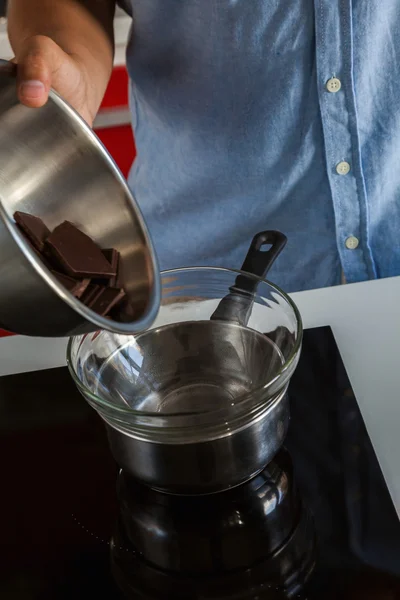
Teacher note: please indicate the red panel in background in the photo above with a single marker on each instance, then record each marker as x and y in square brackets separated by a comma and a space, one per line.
[4, 333]
[116, 95]
[120, 144]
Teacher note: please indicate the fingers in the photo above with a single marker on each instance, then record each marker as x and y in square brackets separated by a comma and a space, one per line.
[37, 60]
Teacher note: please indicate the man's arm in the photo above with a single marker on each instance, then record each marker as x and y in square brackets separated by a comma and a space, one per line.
[64, 44]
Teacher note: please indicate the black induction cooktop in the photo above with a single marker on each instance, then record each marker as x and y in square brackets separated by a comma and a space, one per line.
[58, 493]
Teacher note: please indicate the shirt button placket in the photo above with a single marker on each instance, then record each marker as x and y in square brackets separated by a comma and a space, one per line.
[334, 85]
[334, 45]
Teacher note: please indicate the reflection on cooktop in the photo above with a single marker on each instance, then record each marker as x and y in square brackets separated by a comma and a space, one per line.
[59, 503]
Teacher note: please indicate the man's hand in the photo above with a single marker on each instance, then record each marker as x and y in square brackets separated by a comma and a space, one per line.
[42, 64]
[63, 44]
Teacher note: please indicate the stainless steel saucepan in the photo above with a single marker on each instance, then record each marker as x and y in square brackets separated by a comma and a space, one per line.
[53, 166]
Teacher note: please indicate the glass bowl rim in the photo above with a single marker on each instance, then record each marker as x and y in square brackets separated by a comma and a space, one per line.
[120, 411]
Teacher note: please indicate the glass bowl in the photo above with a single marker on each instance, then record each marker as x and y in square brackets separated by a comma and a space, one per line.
[188, 376]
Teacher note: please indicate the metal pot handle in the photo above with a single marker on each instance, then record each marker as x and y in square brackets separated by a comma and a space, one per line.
[236, 306]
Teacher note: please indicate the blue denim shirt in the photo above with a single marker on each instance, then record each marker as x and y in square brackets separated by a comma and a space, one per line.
[239, 128]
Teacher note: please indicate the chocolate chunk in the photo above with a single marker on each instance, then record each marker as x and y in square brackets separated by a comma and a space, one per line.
[32, 247]
[77, 254]
[33, 228]
[89, 273]
[91, 293]
[106, 300]
[76, 287]
[112, 255]
[83, 284]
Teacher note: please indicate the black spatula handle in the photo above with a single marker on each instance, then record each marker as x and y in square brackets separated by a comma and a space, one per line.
[236, 306]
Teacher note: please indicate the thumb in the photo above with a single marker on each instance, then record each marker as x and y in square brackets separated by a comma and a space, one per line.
[35, 62]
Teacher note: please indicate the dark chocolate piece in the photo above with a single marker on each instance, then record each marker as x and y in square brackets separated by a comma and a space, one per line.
[112, 255]
[92, 292]
[32, 247]
[83, 284]
[89, 273]
[33, 228]
[77, 254]
[76, 287]
[108, 299]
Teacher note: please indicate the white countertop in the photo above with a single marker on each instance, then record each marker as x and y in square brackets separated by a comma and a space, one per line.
[365, 319]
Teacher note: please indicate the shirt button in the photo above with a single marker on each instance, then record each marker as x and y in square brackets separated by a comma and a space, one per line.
[352, 242]
[343, 168]
[333, 85]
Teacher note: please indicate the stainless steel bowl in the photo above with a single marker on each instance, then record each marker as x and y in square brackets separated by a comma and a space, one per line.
[205, 466]
[53, 166]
